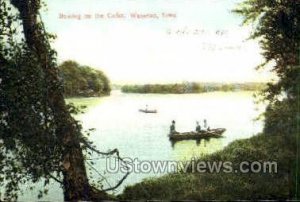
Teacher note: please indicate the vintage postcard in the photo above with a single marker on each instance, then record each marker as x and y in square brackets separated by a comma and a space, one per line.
[149, 100]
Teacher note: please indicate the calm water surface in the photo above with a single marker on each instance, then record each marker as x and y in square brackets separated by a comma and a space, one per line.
[119, 124]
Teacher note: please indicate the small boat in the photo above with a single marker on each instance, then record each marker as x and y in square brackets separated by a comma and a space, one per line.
[148, 111]
[212, 133]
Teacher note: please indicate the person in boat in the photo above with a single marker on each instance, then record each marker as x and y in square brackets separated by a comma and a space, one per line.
[205, 123]
[172, 127]
[198, 127]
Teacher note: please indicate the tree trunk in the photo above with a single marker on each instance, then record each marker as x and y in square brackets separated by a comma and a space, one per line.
[75, 183]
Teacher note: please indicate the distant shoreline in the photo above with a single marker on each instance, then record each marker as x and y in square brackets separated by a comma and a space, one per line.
[191, 88]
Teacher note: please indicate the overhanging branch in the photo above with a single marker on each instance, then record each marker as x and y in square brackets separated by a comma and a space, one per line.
[115, 151]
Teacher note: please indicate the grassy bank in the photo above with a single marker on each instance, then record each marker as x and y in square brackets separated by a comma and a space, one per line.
[226, 186]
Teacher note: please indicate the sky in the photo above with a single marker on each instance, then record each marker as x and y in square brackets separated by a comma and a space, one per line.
[172, 41]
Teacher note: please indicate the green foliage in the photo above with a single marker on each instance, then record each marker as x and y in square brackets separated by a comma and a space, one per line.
[228, 186]
[11, 173]
[277, 28]
[193, 87]
[281, 117]
[31, 148]
[38, 136]
[83, 81]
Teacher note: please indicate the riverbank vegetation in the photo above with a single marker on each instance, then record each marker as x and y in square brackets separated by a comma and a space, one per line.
[192, 87]
[83, 81]
[194, 185]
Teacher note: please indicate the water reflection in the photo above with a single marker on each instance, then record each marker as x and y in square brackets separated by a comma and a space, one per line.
[186, 149]
[197, 141]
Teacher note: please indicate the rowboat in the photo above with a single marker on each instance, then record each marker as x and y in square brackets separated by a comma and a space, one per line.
[148, 111]
[212, 133]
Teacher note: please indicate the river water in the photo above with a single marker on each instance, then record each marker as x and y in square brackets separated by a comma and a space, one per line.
[119, 124]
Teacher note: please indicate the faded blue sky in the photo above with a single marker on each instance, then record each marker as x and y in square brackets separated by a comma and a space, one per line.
[149, 50]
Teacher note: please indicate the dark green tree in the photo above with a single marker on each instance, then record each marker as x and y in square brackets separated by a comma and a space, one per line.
[277, 28]
[39, 139]
[83, 80]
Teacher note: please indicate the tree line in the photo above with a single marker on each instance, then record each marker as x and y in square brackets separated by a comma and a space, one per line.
[83, 81]
[191, 87]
